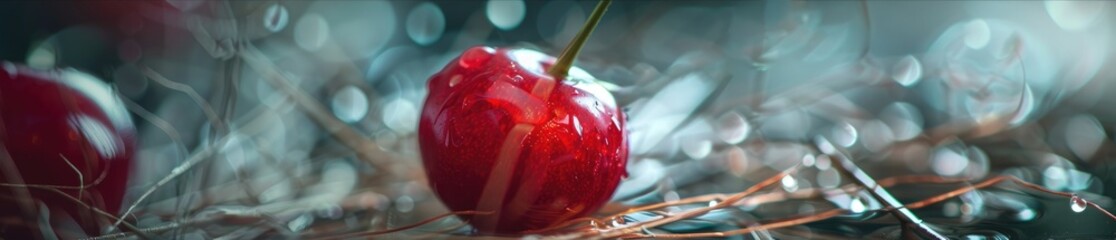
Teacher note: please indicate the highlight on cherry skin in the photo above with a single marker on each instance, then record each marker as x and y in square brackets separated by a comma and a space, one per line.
[61, 130]
[499, 135]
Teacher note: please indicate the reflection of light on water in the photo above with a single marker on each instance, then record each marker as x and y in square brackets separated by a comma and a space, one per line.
[276, 17]
[401, 115]
[1060, 175]
[792, 124]
[643, 175]
[907, 71]
[808, 160]
[277, 192]
[843, 134]
[737, 161]
[338, 179]
[238, 151]
[505, 14]
[42, 57]
[358, 28]
[824, 162]
[824, 145]
[829, 178]
[559, 21]
[404, 204]
[1026, 214]
[978, 163]
[311, 32]
[1078, 204]
[349, 104]
[695, 138]
[387, 63]
[877, 136]
[948, 162]
[733, 128]
[300, 223]
[977, 34]
[1075, 15]
[665, 111]
[1083, 135]
[903, 119]
[789, 183]
[856, 206]
[425, 23]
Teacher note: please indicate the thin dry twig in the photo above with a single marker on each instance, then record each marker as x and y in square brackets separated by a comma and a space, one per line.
[81, 176]
[793, 221]
[214, 120]
[633, 228]
[365, 148]
[127, 226]
[403, 228]
[201, 155]
[851, 170]
[889, 182]
[156, 121]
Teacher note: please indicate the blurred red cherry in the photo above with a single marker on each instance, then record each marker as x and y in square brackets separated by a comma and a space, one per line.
[63, 130]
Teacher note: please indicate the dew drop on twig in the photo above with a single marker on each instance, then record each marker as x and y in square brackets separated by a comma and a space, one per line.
[857, 206]
[789, 183]
[1078, 204]
[596, 224]
[617, 222]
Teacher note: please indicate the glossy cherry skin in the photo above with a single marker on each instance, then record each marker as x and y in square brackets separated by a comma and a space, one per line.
[500, 135]
[54, 125]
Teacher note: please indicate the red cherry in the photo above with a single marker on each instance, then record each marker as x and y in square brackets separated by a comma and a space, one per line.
[516, 135]
[54, 125]
[500, 134]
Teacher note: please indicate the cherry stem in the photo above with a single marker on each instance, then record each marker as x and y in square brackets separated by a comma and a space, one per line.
[565, 61]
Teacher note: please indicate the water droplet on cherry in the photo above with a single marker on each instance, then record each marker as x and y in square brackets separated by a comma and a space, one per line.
[475, 56]
[455, 80]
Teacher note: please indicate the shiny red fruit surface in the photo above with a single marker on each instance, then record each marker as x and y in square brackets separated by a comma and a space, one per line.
[63, 130]
[500, 135]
